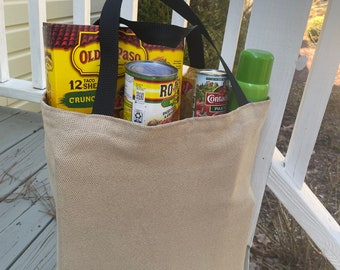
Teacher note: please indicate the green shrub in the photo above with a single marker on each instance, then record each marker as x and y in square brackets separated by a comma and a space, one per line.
[314, 28]
[153, 11]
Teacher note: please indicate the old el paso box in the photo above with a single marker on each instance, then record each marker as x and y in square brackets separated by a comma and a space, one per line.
[72, 59]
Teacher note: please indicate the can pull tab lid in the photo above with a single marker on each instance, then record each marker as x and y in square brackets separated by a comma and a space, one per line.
[255, 66]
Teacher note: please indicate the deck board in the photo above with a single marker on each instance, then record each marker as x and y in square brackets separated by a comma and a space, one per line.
[27, 230]
[41, 254]
[21, 161]
[16, 127]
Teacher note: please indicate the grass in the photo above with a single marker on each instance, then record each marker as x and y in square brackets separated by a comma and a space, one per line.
[280, 242]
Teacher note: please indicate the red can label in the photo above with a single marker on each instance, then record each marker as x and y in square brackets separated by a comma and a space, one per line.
[211, 93]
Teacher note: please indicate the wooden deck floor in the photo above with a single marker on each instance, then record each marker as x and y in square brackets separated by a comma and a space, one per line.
[27, 230]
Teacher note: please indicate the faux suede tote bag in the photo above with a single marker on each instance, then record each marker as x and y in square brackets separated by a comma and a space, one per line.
[174, 196]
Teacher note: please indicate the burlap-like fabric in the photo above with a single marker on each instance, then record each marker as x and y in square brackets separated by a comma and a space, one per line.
[175, 196]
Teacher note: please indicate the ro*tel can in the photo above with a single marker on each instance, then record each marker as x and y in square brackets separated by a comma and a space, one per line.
[211, 93]
[150, 93]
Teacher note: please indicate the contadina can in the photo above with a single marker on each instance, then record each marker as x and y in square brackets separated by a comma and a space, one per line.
[211, 93]
[150, 93]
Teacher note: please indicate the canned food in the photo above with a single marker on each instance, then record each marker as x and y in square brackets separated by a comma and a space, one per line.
[211, 93]
[151, 92]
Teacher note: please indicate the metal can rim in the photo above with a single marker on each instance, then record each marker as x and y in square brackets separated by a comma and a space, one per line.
[211, 72]
[159, 77]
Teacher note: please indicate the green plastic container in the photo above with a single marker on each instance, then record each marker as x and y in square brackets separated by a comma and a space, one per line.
[253, 75]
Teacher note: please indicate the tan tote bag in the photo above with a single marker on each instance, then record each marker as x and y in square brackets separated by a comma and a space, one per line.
[169, 197]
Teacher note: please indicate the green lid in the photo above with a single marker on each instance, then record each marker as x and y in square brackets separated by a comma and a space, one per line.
[255, 66]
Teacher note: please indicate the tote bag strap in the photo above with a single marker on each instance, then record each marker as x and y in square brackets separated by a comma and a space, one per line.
[183, 9]
[157, 33]
[170, 36]
[108, 70]
[152, 33]
[108, 36]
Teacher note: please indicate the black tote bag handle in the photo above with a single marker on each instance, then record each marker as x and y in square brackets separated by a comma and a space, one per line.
[108, 70]
[152, 33]
[170, 36]
[183, 9]
[157, 33]
[108, 37]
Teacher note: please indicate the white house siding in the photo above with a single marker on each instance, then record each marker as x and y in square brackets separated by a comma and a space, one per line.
[17, 33]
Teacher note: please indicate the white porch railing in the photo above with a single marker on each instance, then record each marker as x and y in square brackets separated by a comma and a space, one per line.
[275, 26]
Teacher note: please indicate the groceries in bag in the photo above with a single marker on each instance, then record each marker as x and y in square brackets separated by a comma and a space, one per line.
[72, 59]
[151, 95]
